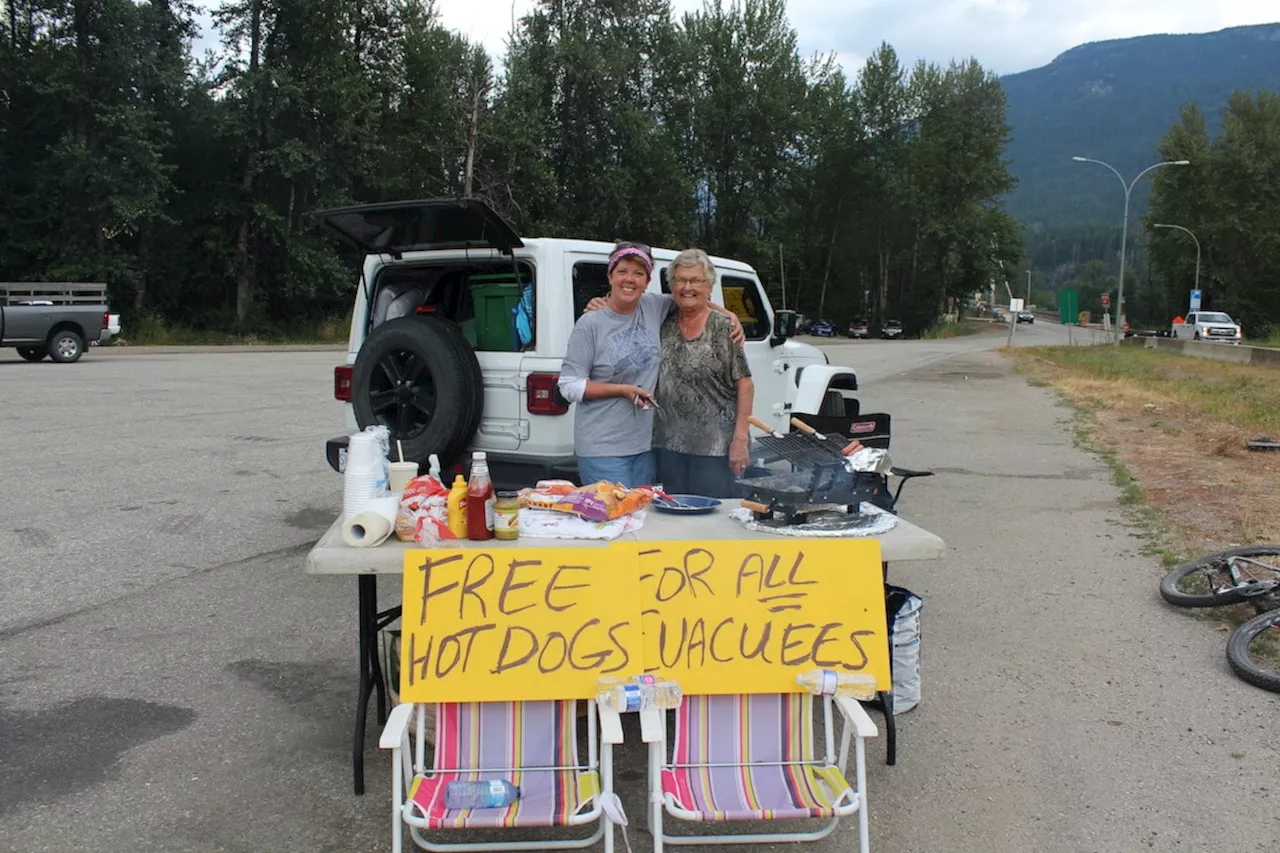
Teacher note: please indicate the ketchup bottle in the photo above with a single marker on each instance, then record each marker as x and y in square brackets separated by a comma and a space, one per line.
[479, 499]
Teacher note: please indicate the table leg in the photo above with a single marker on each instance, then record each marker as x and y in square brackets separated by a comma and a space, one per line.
[370, 621]
[890, 727]
[367, 631]
[885, 699]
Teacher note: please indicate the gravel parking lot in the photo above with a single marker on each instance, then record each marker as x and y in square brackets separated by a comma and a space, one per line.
[170, 679]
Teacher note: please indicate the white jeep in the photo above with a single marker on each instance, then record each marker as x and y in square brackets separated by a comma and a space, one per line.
[460, 325]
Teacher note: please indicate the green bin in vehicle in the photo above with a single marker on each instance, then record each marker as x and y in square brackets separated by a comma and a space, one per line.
[494, 297]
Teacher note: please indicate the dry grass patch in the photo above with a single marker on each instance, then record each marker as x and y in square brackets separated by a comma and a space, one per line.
[1176, 426]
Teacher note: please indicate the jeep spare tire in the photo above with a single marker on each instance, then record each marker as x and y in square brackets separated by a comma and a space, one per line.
[419, 377]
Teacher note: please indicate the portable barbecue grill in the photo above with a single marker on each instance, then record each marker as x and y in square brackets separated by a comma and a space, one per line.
[819, 479]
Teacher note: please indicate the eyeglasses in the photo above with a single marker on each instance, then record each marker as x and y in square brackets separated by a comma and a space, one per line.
[682, 282]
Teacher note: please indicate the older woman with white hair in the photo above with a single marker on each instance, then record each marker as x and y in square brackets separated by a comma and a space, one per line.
[704, 388]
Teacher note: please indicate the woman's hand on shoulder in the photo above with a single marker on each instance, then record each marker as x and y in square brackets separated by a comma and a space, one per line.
[596, 303]
[736, 333]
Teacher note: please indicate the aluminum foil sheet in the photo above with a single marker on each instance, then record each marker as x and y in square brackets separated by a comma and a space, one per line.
[868, 521]
[871, 460]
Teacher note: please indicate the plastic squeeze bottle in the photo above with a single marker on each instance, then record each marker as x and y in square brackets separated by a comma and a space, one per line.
[640, 694]
[491, 794]
[457, 506]
[828, 682]
[480, 499]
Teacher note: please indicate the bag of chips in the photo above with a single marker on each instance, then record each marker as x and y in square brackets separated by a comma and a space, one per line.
[600, 501]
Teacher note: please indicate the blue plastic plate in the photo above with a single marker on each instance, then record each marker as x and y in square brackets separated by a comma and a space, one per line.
[692, 505]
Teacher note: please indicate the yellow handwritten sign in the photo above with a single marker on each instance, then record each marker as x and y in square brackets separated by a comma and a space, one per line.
[719, 617]
[527, 623]
[748, 616]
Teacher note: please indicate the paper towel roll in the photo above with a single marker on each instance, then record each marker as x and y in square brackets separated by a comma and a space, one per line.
[372, 525]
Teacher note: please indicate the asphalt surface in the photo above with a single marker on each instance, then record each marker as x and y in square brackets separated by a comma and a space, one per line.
[170, 679]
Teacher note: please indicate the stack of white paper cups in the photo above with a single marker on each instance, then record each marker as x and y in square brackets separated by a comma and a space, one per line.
[365, 474]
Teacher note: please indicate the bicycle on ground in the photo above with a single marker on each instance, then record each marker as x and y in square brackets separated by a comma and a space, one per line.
[1240, 575]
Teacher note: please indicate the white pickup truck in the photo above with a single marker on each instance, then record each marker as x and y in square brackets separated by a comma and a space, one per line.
[1208, 326]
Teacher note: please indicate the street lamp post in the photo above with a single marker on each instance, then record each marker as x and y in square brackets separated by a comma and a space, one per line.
[1193, 237]
[1124, 232]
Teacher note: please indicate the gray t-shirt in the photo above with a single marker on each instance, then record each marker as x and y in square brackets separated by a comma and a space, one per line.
[698, 388]
[620, 349]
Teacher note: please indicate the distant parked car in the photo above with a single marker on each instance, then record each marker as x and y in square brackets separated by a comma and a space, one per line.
[1026, 317]
[892, 329]
[823, 329]
[858, 328]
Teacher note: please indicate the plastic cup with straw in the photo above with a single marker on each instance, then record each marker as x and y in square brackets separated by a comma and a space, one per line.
[401, 472]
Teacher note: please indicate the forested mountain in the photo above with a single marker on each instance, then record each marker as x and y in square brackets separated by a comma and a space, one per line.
[1114, 101]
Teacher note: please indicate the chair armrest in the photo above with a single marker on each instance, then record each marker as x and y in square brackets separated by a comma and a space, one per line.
[610, 724]
[652, 726]
[857, 716]
[397, 727]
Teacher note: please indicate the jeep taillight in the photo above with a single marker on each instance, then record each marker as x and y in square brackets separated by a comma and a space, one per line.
[543, 399]
[342, 383]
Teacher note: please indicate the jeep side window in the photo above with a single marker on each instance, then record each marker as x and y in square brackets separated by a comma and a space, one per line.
[589, 281]
[742, 298]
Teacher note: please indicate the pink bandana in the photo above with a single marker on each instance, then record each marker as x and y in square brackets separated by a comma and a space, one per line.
[631, 252]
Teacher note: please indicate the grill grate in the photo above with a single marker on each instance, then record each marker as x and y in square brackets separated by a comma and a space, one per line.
[803, 451]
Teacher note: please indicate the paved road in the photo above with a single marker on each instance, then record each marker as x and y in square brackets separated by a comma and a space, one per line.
[878, 360]
[171, 681]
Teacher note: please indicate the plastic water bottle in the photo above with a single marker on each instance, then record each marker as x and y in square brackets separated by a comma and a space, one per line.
[828, 682]
[642, 693]
[493, 794]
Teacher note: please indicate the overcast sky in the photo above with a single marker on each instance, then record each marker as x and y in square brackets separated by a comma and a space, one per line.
[1005, 36]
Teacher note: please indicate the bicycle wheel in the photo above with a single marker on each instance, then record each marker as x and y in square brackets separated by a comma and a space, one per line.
[1206, 581]
[1254, 651]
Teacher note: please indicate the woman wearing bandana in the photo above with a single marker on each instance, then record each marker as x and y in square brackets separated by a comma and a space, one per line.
[610, 370]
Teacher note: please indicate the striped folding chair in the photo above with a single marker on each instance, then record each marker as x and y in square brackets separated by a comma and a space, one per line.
[533, 745]
[752, 758]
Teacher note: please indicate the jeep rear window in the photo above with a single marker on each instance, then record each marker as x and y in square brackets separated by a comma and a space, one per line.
[494, 311]
[742, 298]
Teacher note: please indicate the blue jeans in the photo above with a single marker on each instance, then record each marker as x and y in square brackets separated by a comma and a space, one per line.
[630, 471]
[689, 474]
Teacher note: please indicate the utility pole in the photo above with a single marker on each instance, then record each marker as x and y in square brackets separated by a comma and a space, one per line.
[782, 272]
[1013, 317]
[1028, 290]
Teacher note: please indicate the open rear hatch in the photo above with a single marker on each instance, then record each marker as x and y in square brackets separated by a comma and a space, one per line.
[415, 226]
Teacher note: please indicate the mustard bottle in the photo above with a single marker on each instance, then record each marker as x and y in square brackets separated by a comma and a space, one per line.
[457, 504]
